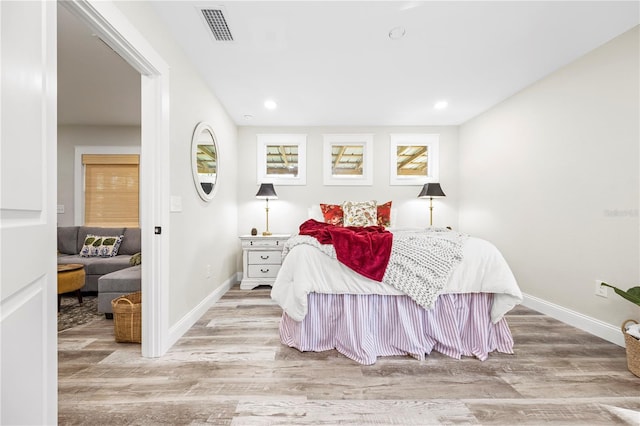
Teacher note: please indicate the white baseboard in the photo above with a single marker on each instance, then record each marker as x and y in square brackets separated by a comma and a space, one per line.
[590, 325]
[187, 321]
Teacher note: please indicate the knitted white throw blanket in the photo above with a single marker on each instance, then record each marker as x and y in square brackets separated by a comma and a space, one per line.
[420, 262]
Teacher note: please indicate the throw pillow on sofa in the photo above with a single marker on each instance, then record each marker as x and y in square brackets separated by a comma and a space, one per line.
[101, 246]
[136, 259]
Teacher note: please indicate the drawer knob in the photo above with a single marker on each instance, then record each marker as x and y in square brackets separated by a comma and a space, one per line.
[264, 271]
[264, 257]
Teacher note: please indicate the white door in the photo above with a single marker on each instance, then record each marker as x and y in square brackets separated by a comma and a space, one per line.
[28, 288]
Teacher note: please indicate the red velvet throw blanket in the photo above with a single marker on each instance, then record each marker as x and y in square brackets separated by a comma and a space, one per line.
[366, 250]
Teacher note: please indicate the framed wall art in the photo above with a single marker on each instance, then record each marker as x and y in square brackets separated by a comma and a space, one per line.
[413, 158]
[348, 159]
[282, 159]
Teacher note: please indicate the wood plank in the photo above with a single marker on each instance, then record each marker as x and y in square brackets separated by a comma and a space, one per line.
[231, 369]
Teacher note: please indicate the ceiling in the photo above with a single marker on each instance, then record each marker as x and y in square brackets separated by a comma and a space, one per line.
[95, 85]
[333, 63]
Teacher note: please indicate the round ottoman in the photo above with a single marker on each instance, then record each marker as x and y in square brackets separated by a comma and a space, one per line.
[70, 278]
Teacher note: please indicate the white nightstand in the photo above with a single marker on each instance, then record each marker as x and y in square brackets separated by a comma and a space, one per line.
[261, 259]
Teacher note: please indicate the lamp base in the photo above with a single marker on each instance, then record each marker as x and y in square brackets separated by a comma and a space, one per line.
[266, 233]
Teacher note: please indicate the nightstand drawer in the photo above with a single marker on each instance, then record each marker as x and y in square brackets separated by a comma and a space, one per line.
[263, 271]
[259, 257]
[275, 243]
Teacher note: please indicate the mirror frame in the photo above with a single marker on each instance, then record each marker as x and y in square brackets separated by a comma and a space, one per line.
[200, 128]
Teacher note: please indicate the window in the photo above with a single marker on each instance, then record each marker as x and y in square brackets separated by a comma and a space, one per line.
[111, 189]
[282, 159]
[347, 159]
[413, 159]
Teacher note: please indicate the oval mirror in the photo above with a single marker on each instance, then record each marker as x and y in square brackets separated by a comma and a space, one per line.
[204, 161]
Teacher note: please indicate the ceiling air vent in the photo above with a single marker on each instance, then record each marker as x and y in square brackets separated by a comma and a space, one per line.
[218, 24]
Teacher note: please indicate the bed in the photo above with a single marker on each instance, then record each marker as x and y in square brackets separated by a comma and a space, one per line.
[328, 304]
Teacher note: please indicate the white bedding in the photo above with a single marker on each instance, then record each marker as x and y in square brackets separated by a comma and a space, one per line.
[305, 269]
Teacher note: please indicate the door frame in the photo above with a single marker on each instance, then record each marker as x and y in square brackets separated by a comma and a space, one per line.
[108, 22]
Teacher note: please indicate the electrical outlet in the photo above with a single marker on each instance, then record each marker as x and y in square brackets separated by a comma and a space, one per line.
[601, 290]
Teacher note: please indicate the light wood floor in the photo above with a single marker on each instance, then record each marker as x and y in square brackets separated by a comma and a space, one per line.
[231, 369]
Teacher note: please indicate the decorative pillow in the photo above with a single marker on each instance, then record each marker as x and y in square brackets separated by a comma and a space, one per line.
[88, 249]
[314, 212]
[384, 214]
[136, 259]
[360, 213]
[102, 246]
[332, 214]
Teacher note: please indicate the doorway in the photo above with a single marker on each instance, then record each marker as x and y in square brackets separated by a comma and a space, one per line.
[107, 22]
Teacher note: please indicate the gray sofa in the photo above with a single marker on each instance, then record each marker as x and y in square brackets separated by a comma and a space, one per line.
[117, 284]
[109, 276]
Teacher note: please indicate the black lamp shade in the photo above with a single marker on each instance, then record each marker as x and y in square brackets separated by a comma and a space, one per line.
[267, 191]
[431, 190]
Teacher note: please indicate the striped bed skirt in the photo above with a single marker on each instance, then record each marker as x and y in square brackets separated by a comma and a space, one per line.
[364, 327]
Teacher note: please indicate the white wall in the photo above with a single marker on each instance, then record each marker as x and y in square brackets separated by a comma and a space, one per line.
[290, 210]
[202, 234]
[71, 136]
[551, 176]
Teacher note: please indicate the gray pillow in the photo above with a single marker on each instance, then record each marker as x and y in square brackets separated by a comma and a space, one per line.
[131, 242]
[67, 237]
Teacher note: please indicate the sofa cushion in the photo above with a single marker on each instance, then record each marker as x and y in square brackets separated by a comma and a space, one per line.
[98, 265]
[131, 242]
[123, 281]
[67, 239]
[95, 230]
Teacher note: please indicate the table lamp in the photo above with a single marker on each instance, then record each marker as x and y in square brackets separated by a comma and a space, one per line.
[267, 192]
[430, 190]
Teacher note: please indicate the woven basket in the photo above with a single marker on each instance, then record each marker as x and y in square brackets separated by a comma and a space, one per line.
[127, 317]
[633, 349]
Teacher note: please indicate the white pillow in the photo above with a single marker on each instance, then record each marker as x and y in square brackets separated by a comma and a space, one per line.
[394, 217]
[314, 212]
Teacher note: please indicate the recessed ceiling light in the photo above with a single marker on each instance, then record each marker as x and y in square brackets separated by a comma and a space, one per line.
[441, 105]
[247, 117]
[270, 104]
[397, 33]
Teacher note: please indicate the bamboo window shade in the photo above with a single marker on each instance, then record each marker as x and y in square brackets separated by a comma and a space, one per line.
[111, 190]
